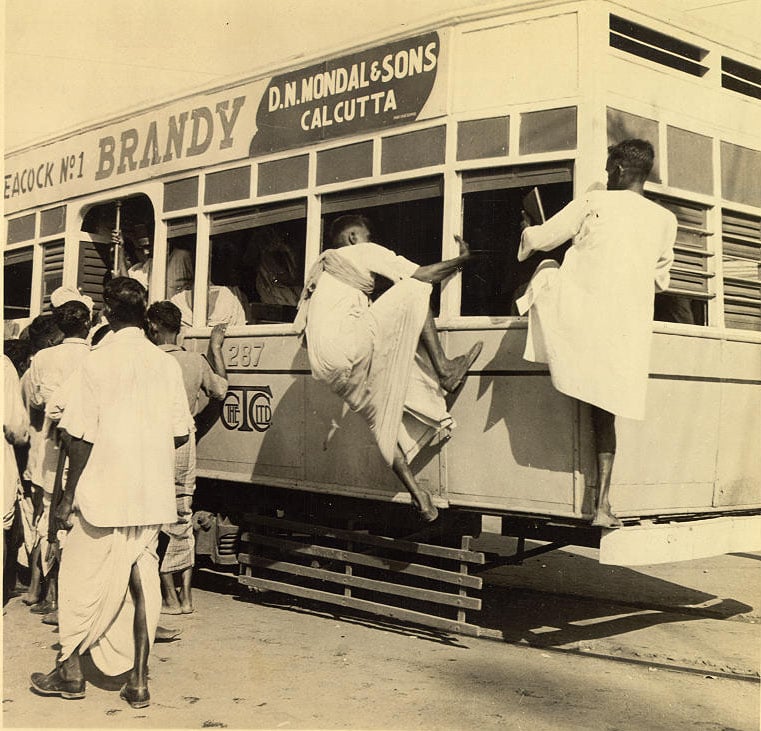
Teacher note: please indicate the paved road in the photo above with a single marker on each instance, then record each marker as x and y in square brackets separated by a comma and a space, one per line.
[597, 660]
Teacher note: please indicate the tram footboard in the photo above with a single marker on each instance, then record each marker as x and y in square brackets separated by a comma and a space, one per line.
[412, 579]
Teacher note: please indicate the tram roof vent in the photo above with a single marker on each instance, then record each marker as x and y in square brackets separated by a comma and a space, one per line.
[658, 47]
[740, 77]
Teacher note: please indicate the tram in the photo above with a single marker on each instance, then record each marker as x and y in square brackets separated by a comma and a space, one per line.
[439, 131]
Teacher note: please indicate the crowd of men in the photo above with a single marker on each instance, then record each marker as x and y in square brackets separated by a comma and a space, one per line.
[99, 423]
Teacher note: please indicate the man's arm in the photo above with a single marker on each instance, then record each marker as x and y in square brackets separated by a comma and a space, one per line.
[79, 454]
[433, 273]
[562, 226]
[215, 356]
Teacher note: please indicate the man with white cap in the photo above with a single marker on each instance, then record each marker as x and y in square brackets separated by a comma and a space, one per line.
[48, 371]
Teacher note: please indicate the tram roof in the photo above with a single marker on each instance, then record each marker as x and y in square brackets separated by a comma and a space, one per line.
[662, 11]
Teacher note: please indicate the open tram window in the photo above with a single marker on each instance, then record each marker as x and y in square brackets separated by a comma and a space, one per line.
[404, 217]
[256, 264]
[96, 251]
[17, 283]
[492, 203]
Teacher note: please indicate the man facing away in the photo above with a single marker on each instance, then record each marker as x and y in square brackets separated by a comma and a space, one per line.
[125, 414]
[48, 371]
[591, 318]
[204, 378]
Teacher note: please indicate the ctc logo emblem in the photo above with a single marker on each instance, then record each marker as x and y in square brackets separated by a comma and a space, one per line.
[247, 408]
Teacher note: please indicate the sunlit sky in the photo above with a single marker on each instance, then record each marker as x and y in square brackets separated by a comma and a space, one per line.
[72, 61]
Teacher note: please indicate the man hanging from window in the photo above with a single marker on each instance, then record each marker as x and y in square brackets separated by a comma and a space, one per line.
[383, 358]
[591, 318]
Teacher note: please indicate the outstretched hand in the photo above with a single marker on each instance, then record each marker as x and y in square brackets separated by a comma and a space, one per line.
[464, 248]
[217, 336]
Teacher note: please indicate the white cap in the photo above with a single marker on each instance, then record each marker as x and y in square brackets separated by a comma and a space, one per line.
[69, 294]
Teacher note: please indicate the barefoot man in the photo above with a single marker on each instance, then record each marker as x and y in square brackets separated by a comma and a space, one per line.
[125, 414]
[591, 318]
[383, 358]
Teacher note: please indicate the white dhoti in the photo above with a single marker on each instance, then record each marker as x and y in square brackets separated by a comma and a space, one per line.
[96, 611]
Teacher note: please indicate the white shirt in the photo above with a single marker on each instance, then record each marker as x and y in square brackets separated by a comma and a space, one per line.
[591, 320]
[128, 401]
[49, 370]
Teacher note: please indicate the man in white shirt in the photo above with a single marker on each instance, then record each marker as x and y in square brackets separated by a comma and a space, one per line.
[126, 412]
[591, 318]
[49, 369]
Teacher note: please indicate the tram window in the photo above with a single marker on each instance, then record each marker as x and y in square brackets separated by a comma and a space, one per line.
[181, 256]
[686, 300]
[135, 221]
[406, 218]
[492, 203]
[741, 252]
[256, 264]
[17, 283]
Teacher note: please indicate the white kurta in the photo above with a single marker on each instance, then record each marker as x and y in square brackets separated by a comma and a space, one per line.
[368, 353]
[591, 319]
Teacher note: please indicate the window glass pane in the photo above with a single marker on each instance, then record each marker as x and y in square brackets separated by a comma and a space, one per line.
[256, 266]
[491, 225]
[406, 218]
[17, 282]
[181, 255]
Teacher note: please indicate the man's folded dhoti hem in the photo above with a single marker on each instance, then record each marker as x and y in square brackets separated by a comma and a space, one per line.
[95, 609]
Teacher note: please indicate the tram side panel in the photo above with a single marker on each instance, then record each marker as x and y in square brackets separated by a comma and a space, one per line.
[666, 464]
[738, 483]
[513, 449]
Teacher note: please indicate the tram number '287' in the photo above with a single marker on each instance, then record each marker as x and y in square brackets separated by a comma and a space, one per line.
[247, 408]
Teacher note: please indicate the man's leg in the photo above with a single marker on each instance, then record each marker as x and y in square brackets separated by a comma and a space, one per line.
[186, 597]
[135, 692]
[171, 603]
[452, 371]
[604, 425]
[32, 595]
[421, 499]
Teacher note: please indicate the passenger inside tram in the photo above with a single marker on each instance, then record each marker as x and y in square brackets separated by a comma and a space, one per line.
[226, 303]
[179, 267]
[383, 357]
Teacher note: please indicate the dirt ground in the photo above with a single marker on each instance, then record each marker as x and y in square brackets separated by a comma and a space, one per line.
[588, 647]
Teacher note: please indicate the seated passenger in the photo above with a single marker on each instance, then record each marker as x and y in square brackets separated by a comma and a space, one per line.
[278, 281]
[225, 306]
[368, 352]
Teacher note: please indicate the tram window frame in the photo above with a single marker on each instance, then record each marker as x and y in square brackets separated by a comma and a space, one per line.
[21, 259]
[273, 232]
[405, 216]
[741, 269]
[495, 194]
[691, 287]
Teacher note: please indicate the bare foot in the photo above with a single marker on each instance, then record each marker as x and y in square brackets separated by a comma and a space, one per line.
[460, 365]
[187, 609]
[423, 503]
[29, 600]
[606, 519]
[171, 609]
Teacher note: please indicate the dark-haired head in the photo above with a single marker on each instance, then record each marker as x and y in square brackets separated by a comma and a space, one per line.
[43, 333]
[163, 321]
[72, 319]
[629, 162]
[341, 229]
[18, 353]
[125, 301]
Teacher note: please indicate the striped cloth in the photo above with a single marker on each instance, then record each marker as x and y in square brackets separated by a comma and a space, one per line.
[180, 553]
